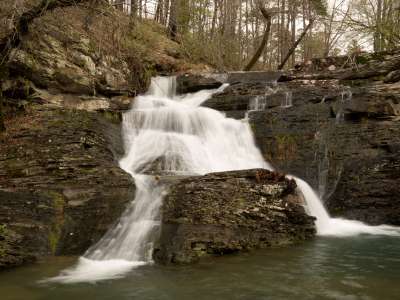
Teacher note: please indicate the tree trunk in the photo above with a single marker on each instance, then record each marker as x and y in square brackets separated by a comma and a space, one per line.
[264, 41]
[173, 20]
[294, 46]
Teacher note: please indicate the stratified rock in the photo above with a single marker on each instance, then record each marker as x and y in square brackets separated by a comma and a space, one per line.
[228, 212]
[237, 97]
[392, 77]
[340, 139]
[253, 77]
[343, 146]
[60, 184]
[189, 83]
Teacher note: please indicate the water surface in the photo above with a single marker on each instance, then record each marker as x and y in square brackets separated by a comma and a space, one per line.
[366, 267]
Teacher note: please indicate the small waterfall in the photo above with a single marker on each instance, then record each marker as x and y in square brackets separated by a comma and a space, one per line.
[346, 97]
[169, 134]
[258, 103]
[288, 100]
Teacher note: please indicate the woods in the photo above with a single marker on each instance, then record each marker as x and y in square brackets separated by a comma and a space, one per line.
[299, 30]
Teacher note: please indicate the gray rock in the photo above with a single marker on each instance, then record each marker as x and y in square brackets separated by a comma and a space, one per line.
[344, 147]
[392, 77]
[60, 184]
[193, 83]
[228, 212]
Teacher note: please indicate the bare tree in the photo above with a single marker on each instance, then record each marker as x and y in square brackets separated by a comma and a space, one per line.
[268, 18]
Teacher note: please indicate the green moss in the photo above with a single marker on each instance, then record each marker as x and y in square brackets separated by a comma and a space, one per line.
[58, 222]
[361, 60]
[113, 117]
[3, 230]
[3, 237]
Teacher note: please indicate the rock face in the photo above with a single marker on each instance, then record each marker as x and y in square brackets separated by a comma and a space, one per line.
[60, 184]
[342, 137]
[65, 87]
[193, 83]
[228, 212]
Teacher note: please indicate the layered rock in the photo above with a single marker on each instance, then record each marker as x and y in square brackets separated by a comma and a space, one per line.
[229, 212]
[74, 71]
[341, 139]
[60, 184]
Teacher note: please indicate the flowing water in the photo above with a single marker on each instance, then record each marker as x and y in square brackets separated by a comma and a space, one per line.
[169, 134]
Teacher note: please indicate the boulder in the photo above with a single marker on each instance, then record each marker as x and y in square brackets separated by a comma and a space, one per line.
[228, 212]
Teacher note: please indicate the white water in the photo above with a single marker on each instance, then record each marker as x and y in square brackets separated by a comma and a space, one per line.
[288, 100]
[165, 133]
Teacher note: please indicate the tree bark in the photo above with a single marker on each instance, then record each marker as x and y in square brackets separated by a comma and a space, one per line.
[173, 20]
[264, 41]
[294, 46]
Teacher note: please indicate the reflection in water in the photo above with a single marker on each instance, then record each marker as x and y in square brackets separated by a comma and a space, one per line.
[364, 267]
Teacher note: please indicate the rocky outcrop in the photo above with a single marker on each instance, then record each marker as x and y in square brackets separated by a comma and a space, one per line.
[60, 184]
[341, 136]
[190, 83]
[371, 66]
[75, 69]
[229, 212]
[89, 58]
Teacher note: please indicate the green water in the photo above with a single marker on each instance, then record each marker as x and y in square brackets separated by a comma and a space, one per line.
[327, 268]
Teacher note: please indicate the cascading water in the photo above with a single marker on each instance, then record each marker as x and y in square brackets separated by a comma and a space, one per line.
[346, 97]
[288, 100]
[169, 134]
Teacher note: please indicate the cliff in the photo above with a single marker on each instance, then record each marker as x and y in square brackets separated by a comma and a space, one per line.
[335, 125]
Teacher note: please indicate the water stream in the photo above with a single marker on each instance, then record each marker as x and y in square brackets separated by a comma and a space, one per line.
[169, 134]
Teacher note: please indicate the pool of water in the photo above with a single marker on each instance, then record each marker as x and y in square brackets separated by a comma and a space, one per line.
[328, 268]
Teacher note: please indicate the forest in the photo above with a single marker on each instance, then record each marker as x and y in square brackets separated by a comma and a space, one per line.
[319, 28]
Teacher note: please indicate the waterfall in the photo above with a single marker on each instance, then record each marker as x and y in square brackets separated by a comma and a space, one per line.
[257, 103]
[346, 97]
[288, 100]
[169, 134]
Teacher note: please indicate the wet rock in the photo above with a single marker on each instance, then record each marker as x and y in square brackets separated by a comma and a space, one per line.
[60, 183]
[253, 77]
[228, 212]
[392, 77]
[343, 146]
[193, 83]
[239, 96]
[341, 139]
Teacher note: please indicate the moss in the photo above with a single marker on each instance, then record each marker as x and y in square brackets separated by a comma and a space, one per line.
[3, 239]
[3, 230]
[113, 117]
[362, 60]
[58, 222]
